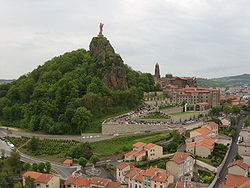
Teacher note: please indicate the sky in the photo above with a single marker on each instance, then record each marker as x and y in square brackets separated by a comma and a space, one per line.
[201, 38]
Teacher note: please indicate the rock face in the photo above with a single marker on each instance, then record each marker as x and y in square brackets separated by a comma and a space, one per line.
[104, 53]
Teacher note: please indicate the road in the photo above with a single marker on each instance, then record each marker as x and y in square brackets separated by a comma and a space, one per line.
[233, 150]
[63, 171]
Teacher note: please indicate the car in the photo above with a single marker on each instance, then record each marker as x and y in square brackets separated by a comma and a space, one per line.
[116, 134]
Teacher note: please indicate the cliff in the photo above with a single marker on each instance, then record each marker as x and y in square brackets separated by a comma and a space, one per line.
[115, 73]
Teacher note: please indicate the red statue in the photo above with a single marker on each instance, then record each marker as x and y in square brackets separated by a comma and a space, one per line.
[100, 32]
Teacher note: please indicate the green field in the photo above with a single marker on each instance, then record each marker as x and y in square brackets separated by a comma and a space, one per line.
[124, 143]
[180, 113]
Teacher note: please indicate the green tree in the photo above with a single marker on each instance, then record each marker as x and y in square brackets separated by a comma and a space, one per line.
[33, 143]
[236, 109]
[35, 167]
[227, 109]
[82, 118]
[48, 167]
[82, 161]
[29, 183]
[216, 110]
[247, 121]
[94, 159]
[18, 185]
[26, 166]
[41, 167]
[81, 150]
[14, 162]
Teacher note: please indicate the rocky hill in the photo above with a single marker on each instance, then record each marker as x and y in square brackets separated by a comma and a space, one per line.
[72, 93]
[238, 80]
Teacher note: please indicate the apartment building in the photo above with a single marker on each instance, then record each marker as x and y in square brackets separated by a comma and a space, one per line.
[140, 150]
[244, 147]
[245, 134]
[181, 166]
[238, 168]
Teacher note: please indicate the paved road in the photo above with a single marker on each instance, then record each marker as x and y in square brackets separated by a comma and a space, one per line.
[233, 151]
[63, 171]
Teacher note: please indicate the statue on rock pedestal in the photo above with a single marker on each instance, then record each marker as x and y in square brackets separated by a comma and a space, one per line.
[100, 32]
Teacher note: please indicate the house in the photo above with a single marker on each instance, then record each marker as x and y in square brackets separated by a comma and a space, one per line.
[236, 181]
[42, 180]
[202, 131]
[238, 168]
[181, 165]
[202, 148]
[140, 150]
[135, 177]
[181, 184]
[246, 158]
[68, 162]
[84, 182]
[121, 170]
[244, 147]
[212, 126]
[245, 134]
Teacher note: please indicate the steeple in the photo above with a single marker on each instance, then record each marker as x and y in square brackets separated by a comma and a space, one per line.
[157, 72]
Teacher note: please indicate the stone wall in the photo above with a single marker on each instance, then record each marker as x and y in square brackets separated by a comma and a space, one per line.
[172, 110]
[187, 116]
[206, 166]
[108, 129]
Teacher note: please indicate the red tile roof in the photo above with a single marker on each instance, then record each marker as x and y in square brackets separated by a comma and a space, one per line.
[131, 153]
[80, 181]
[38, 177]
[246, 129]
[239, 163]
[161, 177]
[99, 181]
[68, 161]
[182, 185]
[132, 172]
[139, 176]
[212, 124]
[205, 131]
[142, 152]
[150, 145]
[138, 144]
[151, 171]
[113, 185]
[180, 157]
[236, 180]
[124, 165]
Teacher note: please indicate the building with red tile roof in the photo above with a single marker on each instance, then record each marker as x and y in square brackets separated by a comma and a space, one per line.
[238, 168]
[236, 181]
[181, 165]
[68, 162]
[180, 184]
[201, 131]
[122, 169]
[42, 179]
[140, 149]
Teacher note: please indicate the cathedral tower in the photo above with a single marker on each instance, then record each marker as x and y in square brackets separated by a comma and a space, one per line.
[157, 72]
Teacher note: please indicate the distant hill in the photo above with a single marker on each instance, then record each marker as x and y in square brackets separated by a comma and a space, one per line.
[5, 81]
[228, 81]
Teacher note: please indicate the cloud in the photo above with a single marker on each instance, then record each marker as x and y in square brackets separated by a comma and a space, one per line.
[207, 38]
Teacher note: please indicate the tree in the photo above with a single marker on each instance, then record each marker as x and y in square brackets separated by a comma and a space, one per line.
[14, 162]
[216, 110]
[94, 159]
[26, 166]
[47, 167]
[82, 161]
[227, 109]
[18, 185]
[172, 147]
[33, 143]
[81, 150]
[236, 109]
[35, 167]
[82, 118]
[41, 167]
[247, 121]
[29, 183]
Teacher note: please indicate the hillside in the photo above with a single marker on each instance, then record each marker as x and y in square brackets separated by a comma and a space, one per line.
[2, 81]
[72, 93]
[238, 80]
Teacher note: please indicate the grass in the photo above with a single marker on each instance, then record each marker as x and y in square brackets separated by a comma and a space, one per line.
[155, 115]
[180, 113]
[157, 163]
[124, 143]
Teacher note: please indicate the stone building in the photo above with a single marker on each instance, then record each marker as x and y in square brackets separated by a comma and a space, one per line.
[238, 168]
[181, 166]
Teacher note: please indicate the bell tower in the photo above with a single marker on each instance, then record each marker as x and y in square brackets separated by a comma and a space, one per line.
[157, 72]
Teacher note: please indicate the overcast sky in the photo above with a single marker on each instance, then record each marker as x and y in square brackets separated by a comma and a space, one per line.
[203, 38]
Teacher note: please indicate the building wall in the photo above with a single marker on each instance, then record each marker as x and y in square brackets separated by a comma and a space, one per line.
[202, 151]
[155, 152]
[245, 135]
[237, 171]
[120, 174]
[246, 159]
[173, 168]
[243, 149]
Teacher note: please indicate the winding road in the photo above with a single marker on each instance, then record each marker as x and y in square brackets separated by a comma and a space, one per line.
[233, 151]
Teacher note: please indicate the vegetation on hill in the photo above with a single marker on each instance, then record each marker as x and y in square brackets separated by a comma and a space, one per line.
[229, 81]
[2, 81]
[72, 93]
